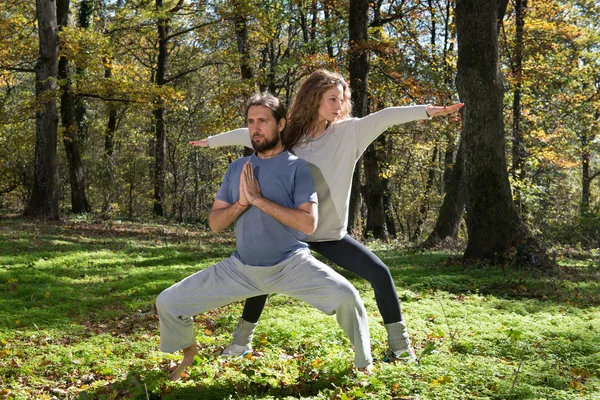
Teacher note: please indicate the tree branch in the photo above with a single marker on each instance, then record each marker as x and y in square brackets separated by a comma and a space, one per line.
[189, 71]
[183, 32]
[594, 176]
[383, 21]
[9, 189]
[16, 69]
[391, 78]
[97, 96]
[177, 7]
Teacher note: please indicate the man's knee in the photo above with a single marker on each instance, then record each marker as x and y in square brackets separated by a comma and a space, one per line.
[162, 301]
[347, 294]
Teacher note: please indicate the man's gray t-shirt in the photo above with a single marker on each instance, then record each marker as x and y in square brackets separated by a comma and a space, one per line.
[285, 179]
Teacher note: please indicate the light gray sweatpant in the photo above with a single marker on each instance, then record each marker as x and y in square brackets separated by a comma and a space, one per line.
[301, 276]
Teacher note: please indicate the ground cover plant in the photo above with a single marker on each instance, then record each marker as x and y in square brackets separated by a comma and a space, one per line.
[77, 320]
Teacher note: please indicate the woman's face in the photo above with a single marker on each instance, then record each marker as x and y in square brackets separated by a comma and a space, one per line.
[330, 105]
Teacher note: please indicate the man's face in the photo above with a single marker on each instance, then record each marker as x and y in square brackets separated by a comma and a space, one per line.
[264, 131]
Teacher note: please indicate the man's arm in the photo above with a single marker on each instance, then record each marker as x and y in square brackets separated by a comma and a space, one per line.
[303, 219]
[224, 214]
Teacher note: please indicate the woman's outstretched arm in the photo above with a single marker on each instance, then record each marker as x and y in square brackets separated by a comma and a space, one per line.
[236, 137]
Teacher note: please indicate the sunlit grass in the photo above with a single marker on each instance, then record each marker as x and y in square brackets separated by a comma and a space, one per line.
[77, 320]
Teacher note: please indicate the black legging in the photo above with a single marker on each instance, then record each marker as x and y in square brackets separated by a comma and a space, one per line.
[354, 257]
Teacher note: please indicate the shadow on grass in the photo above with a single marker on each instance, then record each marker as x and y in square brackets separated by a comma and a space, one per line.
[153, 384]
[55, 274]
[431, 272]
[52, 276]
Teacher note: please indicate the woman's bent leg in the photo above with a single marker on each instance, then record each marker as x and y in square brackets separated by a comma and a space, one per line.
[351, 255]
[241, 344]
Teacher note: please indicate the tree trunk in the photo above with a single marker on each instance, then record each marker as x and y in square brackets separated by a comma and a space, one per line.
[71, 133]
[518, 145]
[43, 202]
[585, 175]
[424, 207]
[453, 206]
[388, 206]
[111, 125]
[359, 78]
[159, 116]
[108, 173]
[241, 33]
[327, 8]
[373, 196]
[493, 222]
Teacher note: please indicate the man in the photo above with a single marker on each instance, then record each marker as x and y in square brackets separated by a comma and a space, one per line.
[271, 198]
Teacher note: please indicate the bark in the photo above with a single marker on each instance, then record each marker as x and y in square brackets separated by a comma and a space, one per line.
[327, 7]
[585, 175]
[453, 206]
[518, 145]
[159, 116]
[241, 33]
[71, 131]
[493, 224]
[109, 144]
[373, 195]
[43, 202]
[388, 206]
[424, 207]
[359, 78]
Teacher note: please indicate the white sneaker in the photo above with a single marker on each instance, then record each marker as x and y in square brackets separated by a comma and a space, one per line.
[237, 350]
[407, 355]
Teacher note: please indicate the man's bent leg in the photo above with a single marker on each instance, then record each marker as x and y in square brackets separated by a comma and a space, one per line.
[313, 282]
[218, 285]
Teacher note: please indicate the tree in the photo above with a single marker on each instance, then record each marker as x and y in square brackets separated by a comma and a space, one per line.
[453, 206]
[43, 203]
[518, 146]
[493, 223]
[71, 128]
[358, 66]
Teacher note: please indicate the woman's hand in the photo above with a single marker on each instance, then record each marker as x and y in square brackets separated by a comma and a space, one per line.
[199, 143]
[442, 111]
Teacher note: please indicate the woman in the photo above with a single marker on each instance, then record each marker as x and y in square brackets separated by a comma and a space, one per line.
[321, 130]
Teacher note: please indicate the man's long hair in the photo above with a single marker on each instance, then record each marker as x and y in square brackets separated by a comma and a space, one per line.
[304, 113]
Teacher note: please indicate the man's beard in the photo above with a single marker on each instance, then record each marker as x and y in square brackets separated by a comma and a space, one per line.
[266, 144]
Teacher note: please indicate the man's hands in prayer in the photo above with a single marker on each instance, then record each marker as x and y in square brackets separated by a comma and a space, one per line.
[248, 184]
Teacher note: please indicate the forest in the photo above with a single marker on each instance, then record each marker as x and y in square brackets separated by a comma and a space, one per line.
[489, 219]
[134, 81]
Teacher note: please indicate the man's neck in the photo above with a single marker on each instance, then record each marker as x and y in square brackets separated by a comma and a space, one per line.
[271, 152]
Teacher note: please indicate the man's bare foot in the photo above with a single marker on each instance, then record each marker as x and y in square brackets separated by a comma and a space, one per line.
[188, 359]
[368, 370]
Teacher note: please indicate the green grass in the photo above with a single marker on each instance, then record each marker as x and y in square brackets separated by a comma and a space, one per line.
[77, 320]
